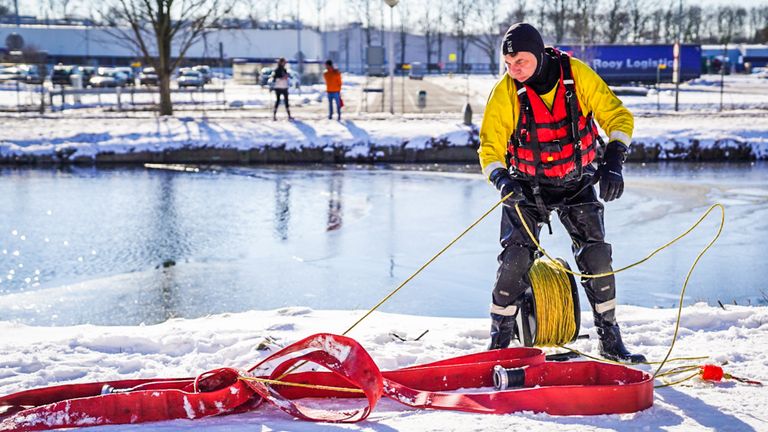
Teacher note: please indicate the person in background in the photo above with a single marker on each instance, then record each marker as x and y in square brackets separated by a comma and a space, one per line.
[280, 84]
[538, 142]
[332, 78]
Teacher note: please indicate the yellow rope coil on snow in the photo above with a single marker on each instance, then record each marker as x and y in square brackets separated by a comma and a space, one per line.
[555, 309]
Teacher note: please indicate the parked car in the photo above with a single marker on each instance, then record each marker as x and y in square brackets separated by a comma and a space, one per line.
[130, 77]
[23, 73]
[265, 76]
[191, 78]
[417, 71]
[148, 77]
[294, 80]
[108, 77]
[87, 72]
[11, 73]
[205, 71]
[62, 74]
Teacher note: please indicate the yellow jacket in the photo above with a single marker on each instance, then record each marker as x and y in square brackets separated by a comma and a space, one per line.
[503, 109]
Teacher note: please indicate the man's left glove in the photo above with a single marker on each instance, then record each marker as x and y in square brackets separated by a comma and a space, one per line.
[507, 186]
[609, 171]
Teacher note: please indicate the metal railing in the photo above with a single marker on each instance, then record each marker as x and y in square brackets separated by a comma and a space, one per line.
[121, 93]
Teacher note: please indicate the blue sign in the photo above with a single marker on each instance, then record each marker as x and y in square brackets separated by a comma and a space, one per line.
[637, 63]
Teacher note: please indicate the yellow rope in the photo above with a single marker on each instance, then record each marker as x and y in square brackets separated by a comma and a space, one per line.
[667, 384]
[293, 384]
[649, 256]
[555, 329]
[399, 287]
[434, 257]
[555, 319]
[563, 269]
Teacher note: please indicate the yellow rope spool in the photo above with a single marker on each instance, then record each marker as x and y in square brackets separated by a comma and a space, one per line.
[550, 315]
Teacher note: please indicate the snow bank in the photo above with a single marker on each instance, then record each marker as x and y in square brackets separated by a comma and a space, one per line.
[735, 337]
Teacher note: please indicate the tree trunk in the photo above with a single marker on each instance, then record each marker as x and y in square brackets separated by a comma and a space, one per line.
[166, 107]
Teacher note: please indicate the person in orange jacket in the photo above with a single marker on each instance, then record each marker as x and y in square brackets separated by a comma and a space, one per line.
[538, 144]
[332, 78]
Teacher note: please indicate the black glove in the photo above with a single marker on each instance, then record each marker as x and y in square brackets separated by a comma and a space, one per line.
[506, 184]
[609, 171]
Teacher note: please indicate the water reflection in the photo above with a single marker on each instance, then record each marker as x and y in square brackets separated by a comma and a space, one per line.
[282, 207]
[169, 247]
[334, 201]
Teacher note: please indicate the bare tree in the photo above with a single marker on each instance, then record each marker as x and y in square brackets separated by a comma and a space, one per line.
[730, 22]
[258, 13]
[616, 19]
[637, 19]
[518, 13]
[655, 24]
[670, 21]
[162, 31]
[460, 14]
[487, 15]
[559, 17]
[584, 21]
[404, 13]
[758, 24]
[61, 8]
[692, 30]
[428, 28]
[440, 34]
[365, 15]
[5, 9]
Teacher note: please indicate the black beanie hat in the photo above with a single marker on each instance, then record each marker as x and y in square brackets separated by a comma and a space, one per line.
[524, 37]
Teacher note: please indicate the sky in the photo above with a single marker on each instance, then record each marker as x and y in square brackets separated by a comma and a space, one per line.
[335, 12]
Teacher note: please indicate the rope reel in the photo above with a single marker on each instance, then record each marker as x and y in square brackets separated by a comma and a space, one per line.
[549, 313]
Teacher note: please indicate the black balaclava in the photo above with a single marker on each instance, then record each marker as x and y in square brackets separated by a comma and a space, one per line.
[524, 37]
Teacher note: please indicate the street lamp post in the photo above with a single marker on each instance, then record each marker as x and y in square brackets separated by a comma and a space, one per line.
[677, 73]
[391, 55]
[658, 84]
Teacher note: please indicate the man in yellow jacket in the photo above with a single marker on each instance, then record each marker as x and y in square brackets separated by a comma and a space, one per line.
[538, 142]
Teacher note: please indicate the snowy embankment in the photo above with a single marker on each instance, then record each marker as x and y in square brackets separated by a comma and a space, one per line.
[697, 136]
[709, 126]
[735, 337]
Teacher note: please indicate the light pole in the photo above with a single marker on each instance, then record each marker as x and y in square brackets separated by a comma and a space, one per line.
[658, 84]
[677, 73]
[298, 43]
[391, 54]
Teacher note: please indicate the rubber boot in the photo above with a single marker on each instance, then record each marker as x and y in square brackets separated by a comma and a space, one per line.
[503, 329]
[612, 347]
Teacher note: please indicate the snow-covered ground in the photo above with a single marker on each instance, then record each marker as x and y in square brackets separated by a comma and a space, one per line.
[735, 338]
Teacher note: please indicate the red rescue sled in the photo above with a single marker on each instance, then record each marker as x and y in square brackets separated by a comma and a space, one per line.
[571, 388]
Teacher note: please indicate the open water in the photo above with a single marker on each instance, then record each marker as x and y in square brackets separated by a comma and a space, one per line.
[134, 245]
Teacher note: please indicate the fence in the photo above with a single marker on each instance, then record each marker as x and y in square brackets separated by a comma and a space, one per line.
[120, 96]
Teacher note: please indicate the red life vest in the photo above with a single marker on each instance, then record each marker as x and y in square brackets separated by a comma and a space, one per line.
[543, 145]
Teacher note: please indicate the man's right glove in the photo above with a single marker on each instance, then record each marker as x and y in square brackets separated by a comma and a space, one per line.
[609, 171]
[506, 184]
